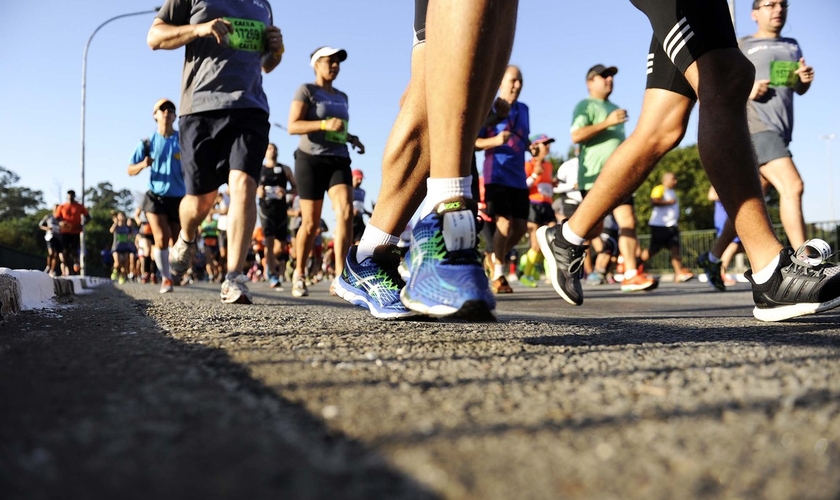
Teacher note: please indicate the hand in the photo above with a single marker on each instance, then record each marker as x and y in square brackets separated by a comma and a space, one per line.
[760, 88]
[805, 72]
[148, 161]
[334, 124]
[356, 143]
[616, 117]
[502, 138]
[538, 169]
[275, 40]
[217, 28]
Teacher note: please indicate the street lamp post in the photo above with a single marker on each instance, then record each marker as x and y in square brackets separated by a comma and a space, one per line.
[84, 81]
[829, 138]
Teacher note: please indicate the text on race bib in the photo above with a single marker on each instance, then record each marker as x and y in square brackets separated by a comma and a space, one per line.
[783, 73]
[248, 35]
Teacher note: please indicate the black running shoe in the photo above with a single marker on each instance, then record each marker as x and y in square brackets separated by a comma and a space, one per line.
[801, 285]
[712, 271]
[563, 263]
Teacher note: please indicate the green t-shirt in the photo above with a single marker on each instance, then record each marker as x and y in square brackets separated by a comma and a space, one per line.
[595, 151]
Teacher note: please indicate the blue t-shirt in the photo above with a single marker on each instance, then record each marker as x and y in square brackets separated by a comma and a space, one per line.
[166, 178]
[505, 165]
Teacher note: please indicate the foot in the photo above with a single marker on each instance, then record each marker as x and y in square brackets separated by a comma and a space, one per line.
[375, 283]
[712, 270]
[595, 278]
[683, 276]
[299, 288]
[181, 255]
[563, 263]
[234, 290]
[501, 285]
[274, 281]
[166, 286]
[447, 277]
[528, 281]
[639, 283]
[801, 284]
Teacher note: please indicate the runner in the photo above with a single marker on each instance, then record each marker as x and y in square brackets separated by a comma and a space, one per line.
[664, 231]
[540, 193]
[274, 217]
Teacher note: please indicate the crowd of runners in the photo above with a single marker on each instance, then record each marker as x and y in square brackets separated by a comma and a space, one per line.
[463, 98]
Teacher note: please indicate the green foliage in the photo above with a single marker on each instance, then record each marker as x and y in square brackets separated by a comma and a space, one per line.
[16, 202]
[697, 212]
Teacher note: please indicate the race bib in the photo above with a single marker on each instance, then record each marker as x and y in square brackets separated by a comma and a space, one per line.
[783, 73]
[339, 137]
[210, 241]
[247, 35]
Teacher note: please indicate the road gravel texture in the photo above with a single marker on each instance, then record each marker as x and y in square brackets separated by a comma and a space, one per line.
[674, 394]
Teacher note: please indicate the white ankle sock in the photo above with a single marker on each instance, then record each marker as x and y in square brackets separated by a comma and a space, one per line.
[372, 238]
[571, 237]
[498, 270]
[442, 189]
[763, 276]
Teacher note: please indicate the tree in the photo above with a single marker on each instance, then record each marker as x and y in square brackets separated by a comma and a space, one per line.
[697, 212]
[19, 215]
[17, 202]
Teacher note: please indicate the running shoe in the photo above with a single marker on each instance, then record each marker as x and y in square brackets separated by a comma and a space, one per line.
[166, 286]
[299, 288]
[274, 281]
[595, 278]
[563, 263]
[121, 281]
[712, 270]
[181, 255]
[528, 281]
[683, 276]
[374, 283]
[234, 290]
[115, 275]
[501, 285]
[447, 277]
[803, 283]
[405, 262]
[639, 283]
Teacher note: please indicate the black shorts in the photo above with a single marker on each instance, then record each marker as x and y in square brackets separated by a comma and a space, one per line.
[54, 243]
[420, 8]
[769, 146]
[541, 214]
[274, 219]
[506, 201]
[316, 174]
[664, 237]
[162, 205]
[215, 142]
[70, 243]
[683, 30]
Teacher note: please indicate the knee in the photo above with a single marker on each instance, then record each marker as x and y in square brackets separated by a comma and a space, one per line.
[730, 80]
[793, 188]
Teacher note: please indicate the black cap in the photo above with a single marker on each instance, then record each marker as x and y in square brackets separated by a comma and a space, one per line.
[600, 69]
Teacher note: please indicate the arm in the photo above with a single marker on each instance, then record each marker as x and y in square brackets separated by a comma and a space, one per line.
[806, 76]
[497, 140]
[169, 37]
[290, 176]
[136, 168]
[564, 185]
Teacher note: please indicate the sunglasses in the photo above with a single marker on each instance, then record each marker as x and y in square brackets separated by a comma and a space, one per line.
[166, 107]
[772, 5]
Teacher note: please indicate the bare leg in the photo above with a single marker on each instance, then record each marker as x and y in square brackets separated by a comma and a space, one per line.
[784, 176]
[242, 215]
[725, 148]
[628, 244]
[341, 197]
[310, 214]
[193, 210]
[467, 51]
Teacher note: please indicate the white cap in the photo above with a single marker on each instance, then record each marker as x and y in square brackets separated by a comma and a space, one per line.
[326, 52]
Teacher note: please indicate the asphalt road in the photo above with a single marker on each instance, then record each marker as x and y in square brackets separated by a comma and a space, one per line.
[677, 393]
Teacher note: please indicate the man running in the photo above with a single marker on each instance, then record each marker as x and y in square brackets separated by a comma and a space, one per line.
[664, 231]
[695, 57]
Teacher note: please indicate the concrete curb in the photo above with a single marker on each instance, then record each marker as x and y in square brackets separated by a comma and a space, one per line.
[22, 289]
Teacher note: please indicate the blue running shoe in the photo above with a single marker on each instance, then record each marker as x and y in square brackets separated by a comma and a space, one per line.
[374, 283]
[447, 277]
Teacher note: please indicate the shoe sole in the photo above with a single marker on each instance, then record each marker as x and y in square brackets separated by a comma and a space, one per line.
[782, 313]
[639, 288]
[242, 299]
[298, 294]
[551, 266]
[349, 294]
[471, 310]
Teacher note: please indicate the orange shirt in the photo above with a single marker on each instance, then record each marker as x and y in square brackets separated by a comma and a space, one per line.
[72, 214]
[541, 191]
[258, 239]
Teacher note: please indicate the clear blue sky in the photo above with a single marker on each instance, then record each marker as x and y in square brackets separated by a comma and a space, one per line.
[41, 48]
